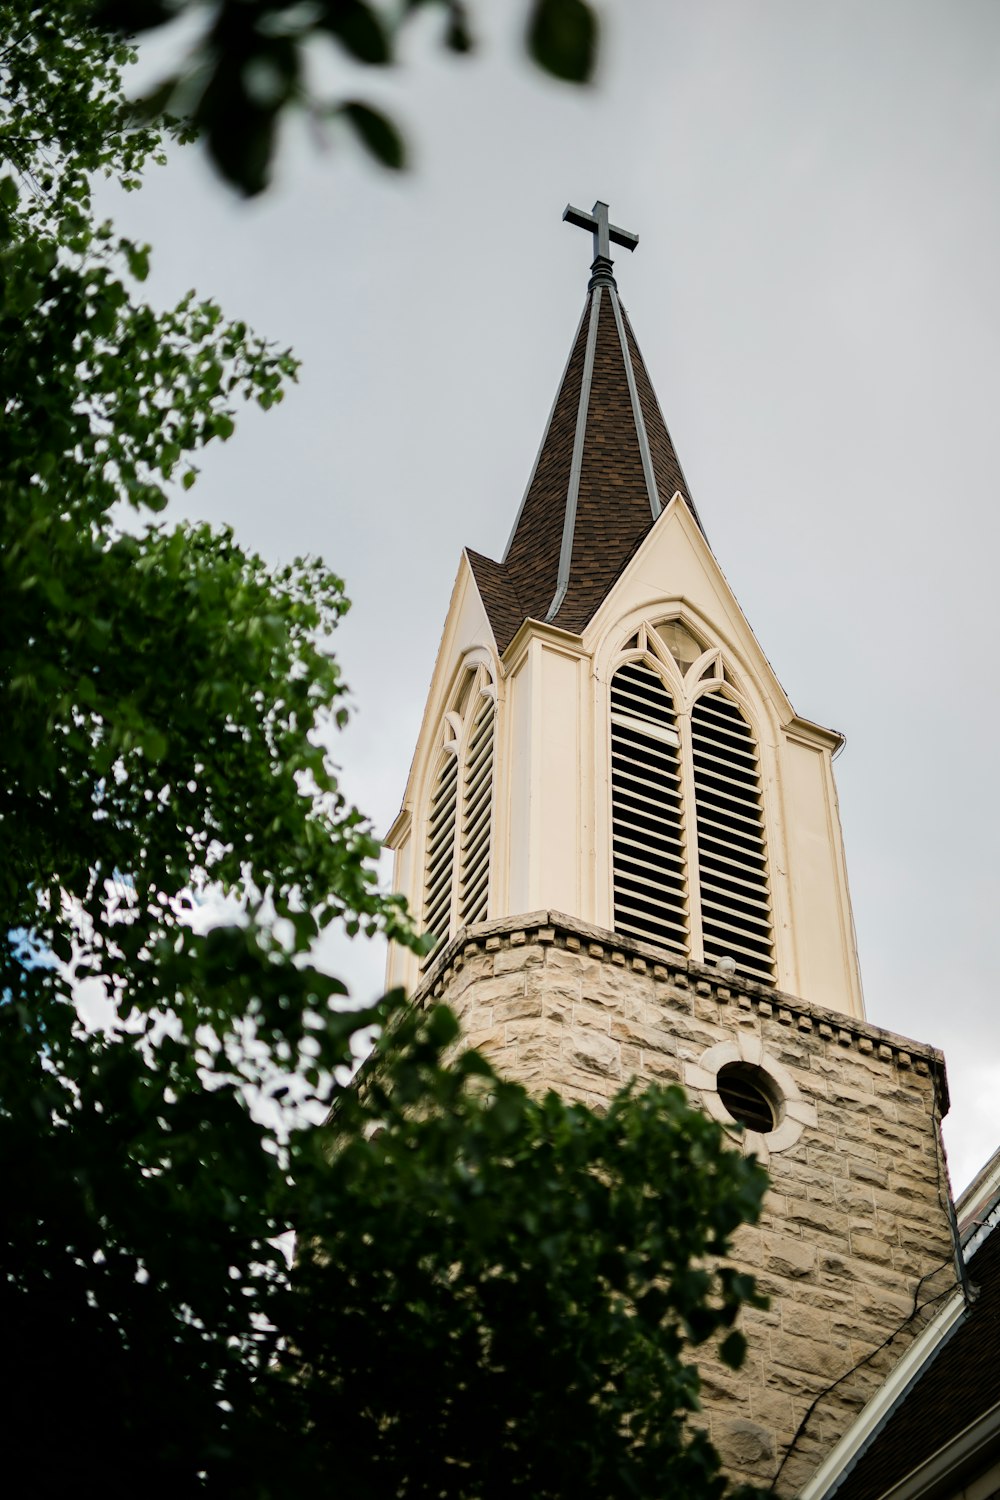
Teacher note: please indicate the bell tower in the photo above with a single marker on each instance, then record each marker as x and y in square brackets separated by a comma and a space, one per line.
[627, 846]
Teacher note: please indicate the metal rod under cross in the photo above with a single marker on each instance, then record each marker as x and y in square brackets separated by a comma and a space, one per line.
[605, 234]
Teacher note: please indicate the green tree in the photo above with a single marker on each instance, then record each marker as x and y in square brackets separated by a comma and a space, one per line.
[247, 67]
[491, 1294]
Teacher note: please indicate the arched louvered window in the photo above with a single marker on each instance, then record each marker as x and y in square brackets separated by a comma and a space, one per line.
[460, 816]
[647, 817]
[441, 849]
[732, 857]
[476, 816]
[689, 858]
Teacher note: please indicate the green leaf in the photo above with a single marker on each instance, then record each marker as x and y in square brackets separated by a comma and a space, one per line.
[733, 1349]
[359, 29]
[138, 259]
[563, 38]
[154, 744]
[377, 133]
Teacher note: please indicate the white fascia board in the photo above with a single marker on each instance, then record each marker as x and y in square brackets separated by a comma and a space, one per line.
[399, 828]
[530, 630]
[808, 732]
[980, 1196]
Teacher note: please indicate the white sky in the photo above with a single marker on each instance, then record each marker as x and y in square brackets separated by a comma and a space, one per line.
[817, 297]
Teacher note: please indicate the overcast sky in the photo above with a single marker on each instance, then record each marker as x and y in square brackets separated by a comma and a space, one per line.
[816, 296]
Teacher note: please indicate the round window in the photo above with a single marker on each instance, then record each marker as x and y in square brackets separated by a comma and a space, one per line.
[747, 1093]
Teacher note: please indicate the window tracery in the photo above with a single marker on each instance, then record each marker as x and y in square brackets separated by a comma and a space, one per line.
[460, 812]
[689, 850]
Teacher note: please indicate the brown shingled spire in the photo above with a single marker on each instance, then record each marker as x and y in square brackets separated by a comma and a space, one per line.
[605, 470]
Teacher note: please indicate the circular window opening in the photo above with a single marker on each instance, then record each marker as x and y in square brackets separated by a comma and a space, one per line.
[747, 1093]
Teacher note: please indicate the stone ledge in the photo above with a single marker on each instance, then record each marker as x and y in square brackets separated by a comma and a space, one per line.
[556, 929]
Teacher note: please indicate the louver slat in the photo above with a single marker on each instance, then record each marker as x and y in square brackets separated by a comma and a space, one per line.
[441, 854]
[735, 901]
[476, 820]
[650, 895]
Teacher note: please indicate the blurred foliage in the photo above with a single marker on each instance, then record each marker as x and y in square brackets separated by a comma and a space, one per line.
[492, 1295]
[248, 66]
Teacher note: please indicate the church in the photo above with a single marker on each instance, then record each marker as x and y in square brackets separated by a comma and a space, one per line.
[627, 847]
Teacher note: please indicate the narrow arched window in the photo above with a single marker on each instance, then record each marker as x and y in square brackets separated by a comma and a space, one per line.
[689, 850]
[477, 821]
[731, 848]
[460, 814]
[650, 890]
[440, 862]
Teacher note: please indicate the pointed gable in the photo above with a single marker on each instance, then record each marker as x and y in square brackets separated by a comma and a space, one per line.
[605, 470]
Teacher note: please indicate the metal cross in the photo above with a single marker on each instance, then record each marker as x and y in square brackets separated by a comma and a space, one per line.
[605, 234]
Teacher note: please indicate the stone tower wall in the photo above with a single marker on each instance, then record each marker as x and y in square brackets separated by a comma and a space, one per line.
[855, 1246]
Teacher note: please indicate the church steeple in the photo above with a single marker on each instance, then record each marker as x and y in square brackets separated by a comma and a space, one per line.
[626, 847]
[605, 470]
[604, 736]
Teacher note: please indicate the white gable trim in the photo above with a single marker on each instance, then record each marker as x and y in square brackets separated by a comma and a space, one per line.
[637, 417]
[608, 615]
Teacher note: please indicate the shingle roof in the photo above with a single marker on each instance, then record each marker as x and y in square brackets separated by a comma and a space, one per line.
[605, 470]
[960, 1384]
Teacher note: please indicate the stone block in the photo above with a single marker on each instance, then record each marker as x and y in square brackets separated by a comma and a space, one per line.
[785, 1255]
[913, 1189]
[855, 1198]
[833, 1164]
[892, 1205]
[487, 1042]
[641, 1034]
[863, 1171]
[476, 1018]
[881, 1306]
[841, 1069]
[616, 988]
[806, 1322]
[805, 1355]
[492, 988]
[755, 1321]
[518, 1007]
[561, 961]
[867, 1248]
[631, 1060]
[839, 1303]
[774, 1409]
[851, 1133]
[591, 1017]
[661, 1067]
[514, 959]
[742, 1442]
[593, 1050]
[835, 1265]
[933, 1239]
[807, 1215]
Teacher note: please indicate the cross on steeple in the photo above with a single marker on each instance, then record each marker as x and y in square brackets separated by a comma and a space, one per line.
[605, 235]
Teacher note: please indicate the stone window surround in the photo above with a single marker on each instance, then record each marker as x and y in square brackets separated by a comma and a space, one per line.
[795, 1113]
